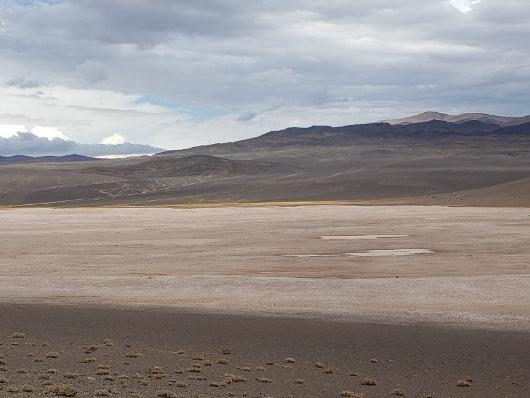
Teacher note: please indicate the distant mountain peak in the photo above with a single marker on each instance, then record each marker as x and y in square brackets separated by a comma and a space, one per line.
[502, 121]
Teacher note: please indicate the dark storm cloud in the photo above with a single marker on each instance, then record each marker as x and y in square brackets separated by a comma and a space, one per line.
[30, 144]
[381, 57]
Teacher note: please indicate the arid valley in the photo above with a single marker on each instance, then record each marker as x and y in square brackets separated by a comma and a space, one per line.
[291, 301]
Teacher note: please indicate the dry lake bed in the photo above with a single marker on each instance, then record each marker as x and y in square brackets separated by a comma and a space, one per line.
[320, 301]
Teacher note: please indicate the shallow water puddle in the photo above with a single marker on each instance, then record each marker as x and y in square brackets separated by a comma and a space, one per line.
[359, 237]
[390, 252]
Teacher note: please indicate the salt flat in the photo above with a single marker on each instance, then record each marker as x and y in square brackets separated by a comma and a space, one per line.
[235, 260]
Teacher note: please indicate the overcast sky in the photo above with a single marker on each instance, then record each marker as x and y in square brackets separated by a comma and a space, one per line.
[174, 74]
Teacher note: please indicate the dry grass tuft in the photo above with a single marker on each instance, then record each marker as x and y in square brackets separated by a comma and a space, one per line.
[198, 358]
[18, 335]
[62, 390]
[133, 355]
[166, 394]
[52, 354]
[194, 370]
[88, 360]
[328, 371]
[398, 392]
[299, 381]
[235, 378]
[463, 383]
[226, 351]
[102, 393]
[70, 375]
[108, 342]
[90, 348]
[368, 381]
[223, 362]
[290, 360]
[264, 380]
[351, 394]
[319, 365]
[373, 360]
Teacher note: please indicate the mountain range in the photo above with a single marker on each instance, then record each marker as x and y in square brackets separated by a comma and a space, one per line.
[474, 159]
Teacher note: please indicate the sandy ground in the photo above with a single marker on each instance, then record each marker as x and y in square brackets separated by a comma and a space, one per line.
[115, 352]
[259, 261]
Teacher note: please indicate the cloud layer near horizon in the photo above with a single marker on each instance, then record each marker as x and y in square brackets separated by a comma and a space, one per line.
[26, 143]
[179, 73]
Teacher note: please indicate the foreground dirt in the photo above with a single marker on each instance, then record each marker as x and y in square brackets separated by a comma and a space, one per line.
[97, 351]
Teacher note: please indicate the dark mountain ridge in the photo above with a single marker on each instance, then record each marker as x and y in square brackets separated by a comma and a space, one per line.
[435, 162]
[44, 159]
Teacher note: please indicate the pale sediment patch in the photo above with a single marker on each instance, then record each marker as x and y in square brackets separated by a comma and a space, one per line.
[360, 237]
[390, 252]
[310, 255]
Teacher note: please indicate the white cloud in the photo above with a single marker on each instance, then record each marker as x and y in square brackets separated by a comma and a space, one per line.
[114, 139]
[48, 132]
[180, 73]
[8, 130]
[464, 6]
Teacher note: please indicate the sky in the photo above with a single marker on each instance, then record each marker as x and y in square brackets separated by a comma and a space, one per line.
[177, 73]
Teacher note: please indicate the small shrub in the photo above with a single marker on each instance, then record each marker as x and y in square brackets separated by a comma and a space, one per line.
[463, 383]
[133, 355]
[351, 394]
[62, 390]
[368, 381]
[52, 354]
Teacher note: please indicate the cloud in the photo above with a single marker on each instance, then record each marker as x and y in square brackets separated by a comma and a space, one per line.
[464, 6]
[178, 73]
[22, 83]
[114, 139]
[28, 143]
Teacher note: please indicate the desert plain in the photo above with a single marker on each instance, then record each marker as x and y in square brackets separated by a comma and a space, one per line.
[265, 301]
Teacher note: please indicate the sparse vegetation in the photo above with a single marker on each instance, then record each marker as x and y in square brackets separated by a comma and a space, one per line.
[398, 392]
[368, 381]
[52, 354]
[166, 394]
[463, 383]
[350, 394]
[133, 355]
[18, 335]
[62, 390]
